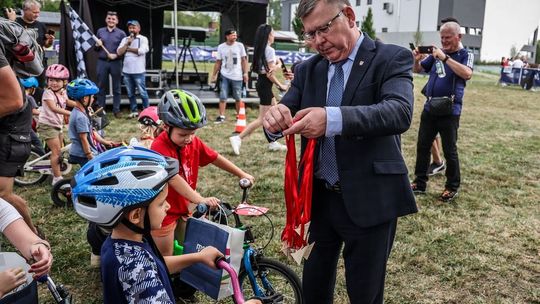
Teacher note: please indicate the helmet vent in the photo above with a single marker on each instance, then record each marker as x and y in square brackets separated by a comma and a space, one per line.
[109, 163]
[142, 174]
[87, 201]
[108, 181]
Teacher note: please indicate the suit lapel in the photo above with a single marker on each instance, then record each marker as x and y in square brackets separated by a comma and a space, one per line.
[360, 65]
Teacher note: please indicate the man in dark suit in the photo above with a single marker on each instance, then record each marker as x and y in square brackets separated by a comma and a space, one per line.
[356, 98]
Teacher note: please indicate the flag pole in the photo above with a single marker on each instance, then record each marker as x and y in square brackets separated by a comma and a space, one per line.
[176, 41]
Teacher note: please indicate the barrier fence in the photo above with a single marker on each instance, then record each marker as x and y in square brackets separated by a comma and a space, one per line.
[527, 78]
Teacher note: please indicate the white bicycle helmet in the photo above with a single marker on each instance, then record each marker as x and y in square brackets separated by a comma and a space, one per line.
[119, 180]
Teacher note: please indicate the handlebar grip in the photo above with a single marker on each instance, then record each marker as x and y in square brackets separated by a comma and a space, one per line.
[200, 210]
[245, 183]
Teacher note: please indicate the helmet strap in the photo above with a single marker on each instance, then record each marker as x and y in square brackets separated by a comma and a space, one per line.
[132, 226]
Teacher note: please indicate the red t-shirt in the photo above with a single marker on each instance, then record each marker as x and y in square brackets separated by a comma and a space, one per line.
[194, 155]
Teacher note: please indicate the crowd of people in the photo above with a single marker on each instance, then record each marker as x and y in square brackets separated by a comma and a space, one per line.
[355, 97]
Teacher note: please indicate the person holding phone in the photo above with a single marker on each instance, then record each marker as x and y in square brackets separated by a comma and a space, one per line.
[29, 20]
[264, 60]
[457, 63]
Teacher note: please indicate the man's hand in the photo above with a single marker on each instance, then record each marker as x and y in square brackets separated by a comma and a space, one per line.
[309, 122]
[10, 14]
[112, 56]
[10, 279]
[438, 53]
[213, 79]
[130, 39]
[418, 56]
[277, 119]
[99, 42]
[245, 77]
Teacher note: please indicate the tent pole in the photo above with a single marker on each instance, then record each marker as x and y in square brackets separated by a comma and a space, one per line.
[175, 22]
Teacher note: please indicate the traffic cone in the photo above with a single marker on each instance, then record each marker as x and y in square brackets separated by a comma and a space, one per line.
[241, 119]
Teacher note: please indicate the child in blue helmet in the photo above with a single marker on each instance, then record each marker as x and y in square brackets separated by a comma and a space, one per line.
[80, 131]
[30, 85]
[125, 189]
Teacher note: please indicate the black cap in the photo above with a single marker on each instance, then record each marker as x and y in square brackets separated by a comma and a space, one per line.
[230, 31]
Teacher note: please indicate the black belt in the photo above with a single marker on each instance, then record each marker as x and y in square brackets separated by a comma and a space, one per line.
[107, 59]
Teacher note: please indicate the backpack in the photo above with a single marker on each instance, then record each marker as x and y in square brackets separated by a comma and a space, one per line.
[21, 47]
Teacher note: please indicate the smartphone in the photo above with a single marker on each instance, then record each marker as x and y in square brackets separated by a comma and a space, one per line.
[425, 49]
[283, 66]
[411, 45]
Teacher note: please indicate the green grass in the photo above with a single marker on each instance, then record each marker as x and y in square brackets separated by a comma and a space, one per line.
[482, 248]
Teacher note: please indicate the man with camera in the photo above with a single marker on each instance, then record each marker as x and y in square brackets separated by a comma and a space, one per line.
[449, 69]
[28, 19]
[134, 48]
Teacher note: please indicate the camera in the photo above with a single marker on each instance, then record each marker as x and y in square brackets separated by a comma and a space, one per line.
[425, 49]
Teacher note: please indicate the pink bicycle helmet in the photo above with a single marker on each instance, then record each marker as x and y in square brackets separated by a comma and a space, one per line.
[57, 71]
[149, 117]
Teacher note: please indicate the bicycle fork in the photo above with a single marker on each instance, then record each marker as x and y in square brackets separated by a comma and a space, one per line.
[257, 290]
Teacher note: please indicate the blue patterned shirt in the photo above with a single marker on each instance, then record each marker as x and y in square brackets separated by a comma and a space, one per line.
[132, 273]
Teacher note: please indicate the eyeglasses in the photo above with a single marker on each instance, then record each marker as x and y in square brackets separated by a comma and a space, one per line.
[321, 30]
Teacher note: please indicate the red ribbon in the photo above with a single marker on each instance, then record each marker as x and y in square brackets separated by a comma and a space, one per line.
[297, 196]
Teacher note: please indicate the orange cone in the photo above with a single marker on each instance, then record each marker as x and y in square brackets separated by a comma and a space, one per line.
[241, 119]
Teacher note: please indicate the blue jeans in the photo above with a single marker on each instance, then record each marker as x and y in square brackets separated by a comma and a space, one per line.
[104, 68]
[132, 81]
[226, 84]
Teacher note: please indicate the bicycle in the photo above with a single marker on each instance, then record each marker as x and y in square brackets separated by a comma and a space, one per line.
[38, 167]
[259, 276]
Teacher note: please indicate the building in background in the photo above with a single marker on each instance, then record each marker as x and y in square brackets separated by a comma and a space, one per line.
[490, 27]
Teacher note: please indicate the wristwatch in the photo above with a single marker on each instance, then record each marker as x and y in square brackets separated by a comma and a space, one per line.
[445, 58]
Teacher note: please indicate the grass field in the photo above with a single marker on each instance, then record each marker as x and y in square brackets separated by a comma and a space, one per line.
[482, 248]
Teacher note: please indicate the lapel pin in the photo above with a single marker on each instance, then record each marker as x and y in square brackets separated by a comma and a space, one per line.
[361, 62]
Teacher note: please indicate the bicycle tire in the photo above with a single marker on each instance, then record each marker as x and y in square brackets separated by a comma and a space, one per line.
[279, 276]
[61, 193]
[31, 177]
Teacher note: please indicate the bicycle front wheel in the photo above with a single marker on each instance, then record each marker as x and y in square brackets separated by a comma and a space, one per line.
[273, 278]
[31, 176]
[61, 193]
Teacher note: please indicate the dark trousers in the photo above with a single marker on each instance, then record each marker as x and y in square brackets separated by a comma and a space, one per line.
[96, 236]
[104, 69]
[365, 251]
[447, 127]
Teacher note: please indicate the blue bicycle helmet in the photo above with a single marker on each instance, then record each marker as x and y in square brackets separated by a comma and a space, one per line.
[81, 87]
[120, 180]
[30, 82]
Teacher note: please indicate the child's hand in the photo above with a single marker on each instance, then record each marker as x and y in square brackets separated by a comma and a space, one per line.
[212, 202]
[209, 255]
[10, 279]
[248, 176]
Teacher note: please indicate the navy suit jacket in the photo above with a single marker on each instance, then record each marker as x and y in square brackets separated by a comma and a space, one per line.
[377, 107]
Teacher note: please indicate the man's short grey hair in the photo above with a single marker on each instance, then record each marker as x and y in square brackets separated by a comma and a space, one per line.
[306, 6]
[453, 26]
[28, 4]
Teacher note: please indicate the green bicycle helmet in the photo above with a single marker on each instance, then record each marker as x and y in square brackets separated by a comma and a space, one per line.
[182, 109]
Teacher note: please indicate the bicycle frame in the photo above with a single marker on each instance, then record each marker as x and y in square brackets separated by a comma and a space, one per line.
[42, 164]
[248, 253]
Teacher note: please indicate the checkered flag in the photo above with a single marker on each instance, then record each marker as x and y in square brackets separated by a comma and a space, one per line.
[84, 40]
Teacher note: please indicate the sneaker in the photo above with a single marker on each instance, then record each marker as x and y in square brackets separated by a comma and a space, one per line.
[219, 119]
[133, 115]
[435, 168]
[275, 146]
[56, 179]
[448, 195]
[95, 260]
[117, 115]
[417, 190]
[236, 142]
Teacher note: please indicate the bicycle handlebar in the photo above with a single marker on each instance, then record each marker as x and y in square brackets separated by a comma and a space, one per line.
[237, 292]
